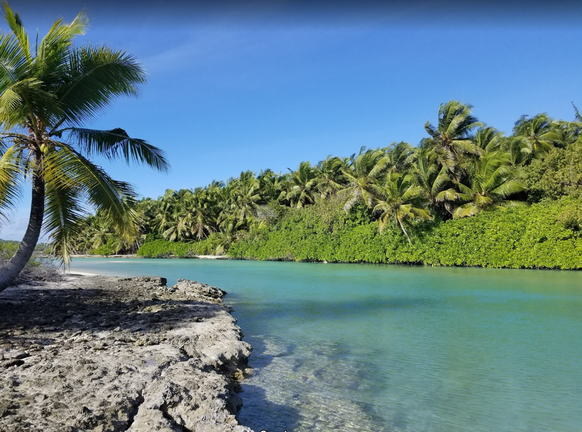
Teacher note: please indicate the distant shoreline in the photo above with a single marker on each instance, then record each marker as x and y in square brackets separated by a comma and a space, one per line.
[208, 257]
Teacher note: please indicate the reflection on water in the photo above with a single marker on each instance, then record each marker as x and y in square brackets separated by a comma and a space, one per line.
[389, 348]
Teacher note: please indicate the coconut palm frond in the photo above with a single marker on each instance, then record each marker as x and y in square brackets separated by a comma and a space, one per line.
[70, 169]
[94, 77]
[63, 216]
[10, 175]
[509, 188]
[117, 143]
[466, 210]
[12, 102]
[12, 61]
[53, 49]
[18, 30]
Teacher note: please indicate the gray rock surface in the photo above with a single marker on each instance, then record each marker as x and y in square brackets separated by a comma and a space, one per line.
[119, 354]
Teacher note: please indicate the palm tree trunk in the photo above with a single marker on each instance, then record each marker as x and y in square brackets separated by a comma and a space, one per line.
[12, 269]
[403, 230]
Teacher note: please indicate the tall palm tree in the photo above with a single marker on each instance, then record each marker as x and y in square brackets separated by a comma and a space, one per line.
[46, 93]
[451, 139]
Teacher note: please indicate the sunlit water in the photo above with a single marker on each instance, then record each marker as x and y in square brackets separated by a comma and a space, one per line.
[393, 348]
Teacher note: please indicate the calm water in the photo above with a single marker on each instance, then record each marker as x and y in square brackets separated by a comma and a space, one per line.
[390, 348]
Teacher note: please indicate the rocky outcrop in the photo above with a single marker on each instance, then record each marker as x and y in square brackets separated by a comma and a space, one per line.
[119, 354]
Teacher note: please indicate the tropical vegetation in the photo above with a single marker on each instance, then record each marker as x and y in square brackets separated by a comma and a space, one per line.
[465, 195]
[48, 89]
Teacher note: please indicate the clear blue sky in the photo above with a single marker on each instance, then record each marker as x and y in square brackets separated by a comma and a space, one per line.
[256, 85]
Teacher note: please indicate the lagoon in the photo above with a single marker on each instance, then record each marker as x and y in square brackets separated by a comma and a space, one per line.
[350, 347]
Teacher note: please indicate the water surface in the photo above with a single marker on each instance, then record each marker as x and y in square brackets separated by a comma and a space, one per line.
[395, 348]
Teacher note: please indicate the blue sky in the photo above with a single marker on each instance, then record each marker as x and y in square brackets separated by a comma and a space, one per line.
[256, 85]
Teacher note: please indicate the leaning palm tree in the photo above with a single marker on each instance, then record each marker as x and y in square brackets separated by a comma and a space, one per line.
[46, 93]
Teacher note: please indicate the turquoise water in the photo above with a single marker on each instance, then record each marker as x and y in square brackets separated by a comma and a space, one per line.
[395, 348]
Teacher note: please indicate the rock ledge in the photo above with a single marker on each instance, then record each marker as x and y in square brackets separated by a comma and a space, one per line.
[119, 354]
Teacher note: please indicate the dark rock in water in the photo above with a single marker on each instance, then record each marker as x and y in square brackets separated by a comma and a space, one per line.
[119, 354]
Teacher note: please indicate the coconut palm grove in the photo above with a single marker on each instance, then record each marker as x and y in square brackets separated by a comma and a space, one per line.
[465, 195]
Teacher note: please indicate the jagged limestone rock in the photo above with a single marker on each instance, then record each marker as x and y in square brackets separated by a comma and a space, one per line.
[106, 354]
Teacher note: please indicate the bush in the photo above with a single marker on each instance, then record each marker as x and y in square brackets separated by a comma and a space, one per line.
[168, 249]
[544, 235]
[7, 249]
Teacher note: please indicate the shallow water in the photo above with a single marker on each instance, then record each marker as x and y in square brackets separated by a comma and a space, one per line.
[394, 348]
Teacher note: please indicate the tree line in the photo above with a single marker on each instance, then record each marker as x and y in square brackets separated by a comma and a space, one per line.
[461, 169]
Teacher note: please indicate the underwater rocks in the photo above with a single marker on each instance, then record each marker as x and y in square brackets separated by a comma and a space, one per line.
[119, 354]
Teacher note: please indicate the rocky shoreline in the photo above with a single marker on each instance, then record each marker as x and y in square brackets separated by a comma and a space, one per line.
[96, 353]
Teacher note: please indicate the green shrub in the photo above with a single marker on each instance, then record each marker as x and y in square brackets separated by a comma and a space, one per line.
[544, 235]
[168, 249]
[107, 249]
[7, 249]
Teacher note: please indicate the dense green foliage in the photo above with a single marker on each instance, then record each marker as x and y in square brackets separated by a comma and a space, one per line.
[558, 174]
[538, 236]
[168, 249]
[466, 195]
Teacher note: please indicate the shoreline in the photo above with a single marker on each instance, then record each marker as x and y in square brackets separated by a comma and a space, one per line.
[98, 353]
[130, 256]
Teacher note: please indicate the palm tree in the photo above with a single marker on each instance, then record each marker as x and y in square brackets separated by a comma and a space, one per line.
[329, 176]
[244, 196]
[270, 186]
[538, 134]
[399, 198]
[399, 156]
[434, 181]
[166, 211]
[303, 185]
[46, 93]
[201, 210]
[488, 139]
[491, 183]
[451, 139]
[361, 173]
